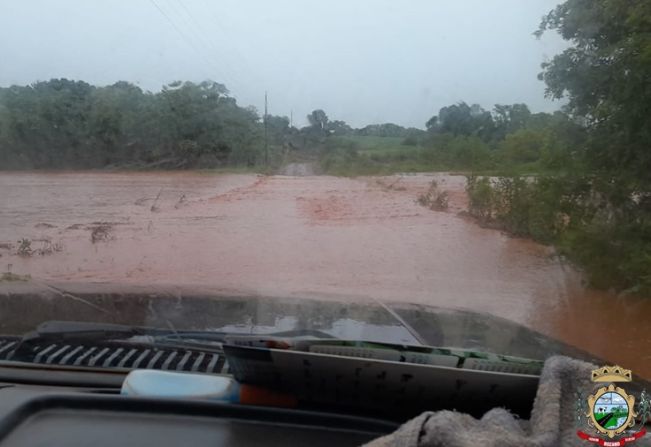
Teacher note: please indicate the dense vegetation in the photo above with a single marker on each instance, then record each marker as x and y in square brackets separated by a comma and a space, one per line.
[599, 212]
[462, 137]
[63, 123]
[71, 124]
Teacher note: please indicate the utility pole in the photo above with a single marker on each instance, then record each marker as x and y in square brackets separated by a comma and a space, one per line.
[291, 118]
[266, 144]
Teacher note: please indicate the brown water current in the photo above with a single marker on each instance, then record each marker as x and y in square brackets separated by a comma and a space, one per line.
[299, 235]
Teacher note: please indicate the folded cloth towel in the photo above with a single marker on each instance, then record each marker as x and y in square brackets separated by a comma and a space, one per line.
[553, 419]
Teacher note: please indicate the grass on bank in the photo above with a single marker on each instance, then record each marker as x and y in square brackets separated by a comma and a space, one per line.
[351, 156]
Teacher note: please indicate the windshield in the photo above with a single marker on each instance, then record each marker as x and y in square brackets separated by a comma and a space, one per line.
[456, 173]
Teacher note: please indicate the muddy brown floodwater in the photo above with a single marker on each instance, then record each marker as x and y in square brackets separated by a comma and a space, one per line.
[299, 235]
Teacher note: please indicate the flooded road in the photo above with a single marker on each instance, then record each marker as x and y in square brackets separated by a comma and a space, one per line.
[300, 235]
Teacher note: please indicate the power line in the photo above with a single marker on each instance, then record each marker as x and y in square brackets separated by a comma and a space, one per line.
[171, 22]
[252, 74]
[185, 37]
[204, 40]
[187, 11]
[198, 32]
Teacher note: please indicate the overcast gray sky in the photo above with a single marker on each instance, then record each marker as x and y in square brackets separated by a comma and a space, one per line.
[363, 61]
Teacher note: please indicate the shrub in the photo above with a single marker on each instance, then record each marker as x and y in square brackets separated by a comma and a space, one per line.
[522, 146]
[602, 225]
[411, 140]
[434, 199]
[24, 247]
[480, 198]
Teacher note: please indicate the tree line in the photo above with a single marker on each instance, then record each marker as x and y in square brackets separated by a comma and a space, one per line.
[65, 123]
[466, 137]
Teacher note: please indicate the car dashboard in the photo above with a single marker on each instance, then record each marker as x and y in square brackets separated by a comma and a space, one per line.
[79, 416]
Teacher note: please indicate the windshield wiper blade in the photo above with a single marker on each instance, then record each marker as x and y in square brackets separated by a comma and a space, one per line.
[57, 331]
[74, 330]
[221, 336]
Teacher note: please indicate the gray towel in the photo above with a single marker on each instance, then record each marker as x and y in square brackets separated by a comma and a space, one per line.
[553, 419]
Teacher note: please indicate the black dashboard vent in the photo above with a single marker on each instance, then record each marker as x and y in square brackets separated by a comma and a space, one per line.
[114, 355]
[7, 346]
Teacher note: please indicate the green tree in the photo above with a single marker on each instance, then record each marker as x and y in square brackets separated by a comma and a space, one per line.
[462, 119]
[278, 128]
[339, 127]
[605, 74]
[597, 212]
[384, 130]
[510, 118]
[45, 123]
[522, 146]
[318, 120]
[63, 123]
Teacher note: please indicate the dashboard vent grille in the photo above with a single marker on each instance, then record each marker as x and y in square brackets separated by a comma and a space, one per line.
[7, 346]
[114, 355]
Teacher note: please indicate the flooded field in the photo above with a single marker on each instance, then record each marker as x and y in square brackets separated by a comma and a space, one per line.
[303, 235]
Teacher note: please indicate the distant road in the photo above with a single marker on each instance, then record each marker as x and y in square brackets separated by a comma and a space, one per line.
[297, 169]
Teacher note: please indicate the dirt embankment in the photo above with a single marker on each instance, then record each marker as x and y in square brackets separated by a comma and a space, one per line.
[296, 234]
